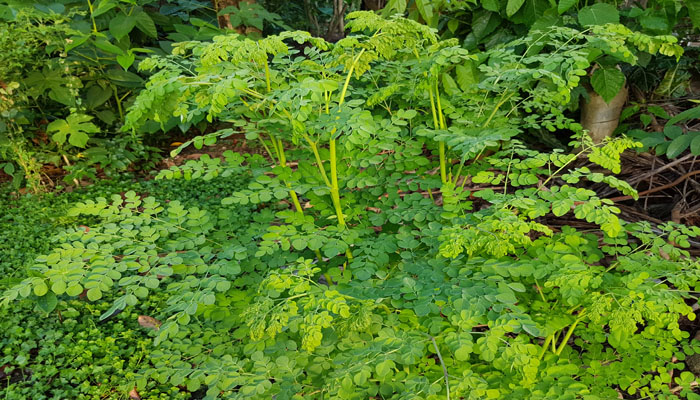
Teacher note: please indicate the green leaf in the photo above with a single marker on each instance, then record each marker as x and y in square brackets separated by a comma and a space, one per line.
[108, 47]
[517, 286]
[96, 96]
[126, 60]
[672, 131]
[507, 297]
[694, 12]
[94, 294]
[47, 302]
[384, 368]
[124, 78]
[564, 5]
[463, 352]
[491, 5]
[513, 6]
[466, 75]
[599, 14]
[101, 7]
[75, 128]
[121, 25]
[561, 207]
[299, 243]
[654, 23]
[41, 289]
[145, 24]
[74, 290]
[607, 82]
[687, 115]
[449, 84]
[695, 144]
[678, 145]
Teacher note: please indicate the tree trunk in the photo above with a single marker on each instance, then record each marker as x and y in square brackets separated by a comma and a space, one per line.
[601, 118]
[336, 28]
[373, 5]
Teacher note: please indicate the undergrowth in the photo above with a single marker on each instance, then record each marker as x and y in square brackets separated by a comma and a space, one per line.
[403, 244]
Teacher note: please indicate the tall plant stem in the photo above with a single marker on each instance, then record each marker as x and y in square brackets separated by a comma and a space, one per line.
[334, 187]
[444, 368]
[567, 337]
[119, 103]
[94, 25]
[498, 106]
[292, 193]
[267, 77]
[279, 149]
[441, 145]
[335, 190]
[443, 126]
[319, 162]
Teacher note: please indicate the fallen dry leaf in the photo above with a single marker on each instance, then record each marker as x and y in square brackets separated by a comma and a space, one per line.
[134, 394]
[149, 322]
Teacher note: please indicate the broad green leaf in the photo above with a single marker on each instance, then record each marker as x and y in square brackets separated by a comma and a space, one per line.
[654, 23]
[599, 14]
[678, 145]
[466, 75]
[449, 84]
[565, 5]
[513, 6]
[108, 47]
[124, 78]
[126, 60]
[687, 115]
[121, 25]
[96, 96]
[672, 131]
[75, 128]
[102, 6]
[607, 82]
[145, 24]
[47, 302]
[394, 7]
[425, 8]
[693, 7]
[491, 5]
[76, 41]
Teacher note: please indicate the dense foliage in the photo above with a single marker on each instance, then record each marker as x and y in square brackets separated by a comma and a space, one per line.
[399, 236]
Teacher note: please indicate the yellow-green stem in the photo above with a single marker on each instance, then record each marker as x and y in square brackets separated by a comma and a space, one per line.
[94, 25]
[266, 147]
[335, 190]
[267, 77]
[567, 337]
[493, 113]
[273, 142]
[321, 168]
[544, 346]
[292, 193]
[119, 103]
[347, 78]
[441, 145]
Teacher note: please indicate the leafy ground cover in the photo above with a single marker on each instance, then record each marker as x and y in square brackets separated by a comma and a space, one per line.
[71, 353]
